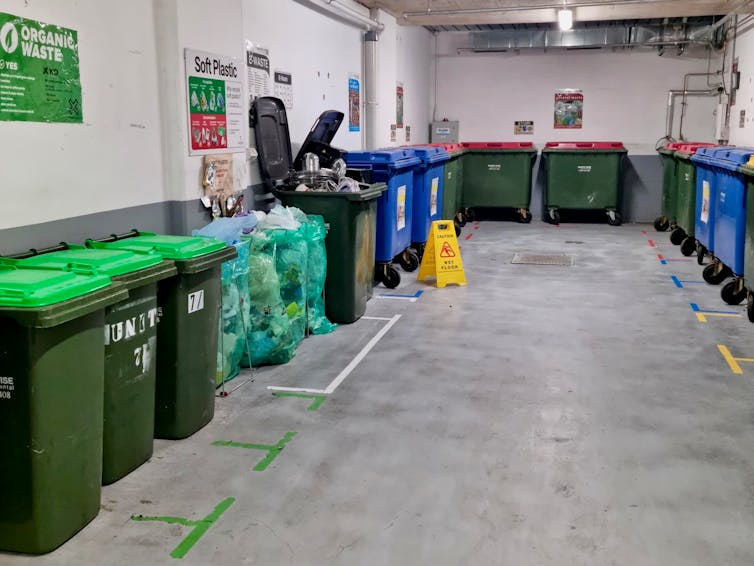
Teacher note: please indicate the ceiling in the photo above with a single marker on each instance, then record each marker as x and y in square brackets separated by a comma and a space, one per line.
[469, 14]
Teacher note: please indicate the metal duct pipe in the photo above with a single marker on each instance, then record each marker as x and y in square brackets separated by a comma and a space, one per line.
[669, 115]
[553, 6]
[685, 91]
[722, 21]
[344, 13]
[370, 89]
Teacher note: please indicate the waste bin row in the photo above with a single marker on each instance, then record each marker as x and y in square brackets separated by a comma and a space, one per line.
[707, 203]
[83, 405]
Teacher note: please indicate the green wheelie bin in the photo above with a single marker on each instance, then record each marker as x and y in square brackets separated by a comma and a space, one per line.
[130, 346]
[498, 174]
[669, 186]
[52, 359]
[583, 176]
[351, 216]
[188, 306]
[452, 191]
[685, 198]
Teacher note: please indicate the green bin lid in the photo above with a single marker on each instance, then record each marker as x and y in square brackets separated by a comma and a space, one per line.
[170, 247]
[29, 288]
[85, 260]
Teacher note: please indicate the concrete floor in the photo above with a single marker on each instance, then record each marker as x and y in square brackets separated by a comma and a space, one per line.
[541, 415]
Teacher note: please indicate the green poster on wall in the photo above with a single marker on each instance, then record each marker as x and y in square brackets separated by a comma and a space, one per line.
[39, 72]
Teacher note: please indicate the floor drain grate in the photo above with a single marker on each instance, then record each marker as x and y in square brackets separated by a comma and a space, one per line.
[574, 242]
[543, 259]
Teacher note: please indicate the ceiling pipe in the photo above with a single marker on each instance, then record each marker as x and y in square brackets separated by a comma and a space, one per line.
[721, 22]
[344, 13]
[669, 114]
[553, 6]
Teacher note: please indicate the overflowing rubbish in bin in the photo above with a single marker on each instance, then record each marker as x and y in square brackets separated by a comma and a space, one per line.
[345, 201]
[51, 403]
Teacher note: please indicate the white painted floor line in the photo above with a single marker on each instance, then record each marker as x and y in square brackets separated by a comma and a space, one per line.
[361, 355]
[410, 299]
[351, 366]
[297, 389]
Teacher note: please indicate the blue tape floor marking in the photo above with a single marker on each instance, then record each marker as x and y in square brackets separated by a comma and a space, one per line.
[679, 282]
[695, 308]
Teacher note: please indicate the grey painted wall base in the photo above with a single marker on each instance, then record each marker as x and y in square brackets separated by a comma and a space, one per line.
[642, 194]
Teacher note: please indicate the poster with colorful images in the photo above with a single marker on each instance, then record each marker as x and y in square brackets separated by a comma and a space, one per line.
[217, 120]
[569, 109]
[39, 72]
[399, 105]
[354, 103]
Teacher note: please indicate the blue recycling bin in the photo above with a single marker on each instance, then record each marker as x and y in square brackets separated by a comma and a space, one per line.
[706, 197]
[730, 208]
[395, 168]
[428, 186]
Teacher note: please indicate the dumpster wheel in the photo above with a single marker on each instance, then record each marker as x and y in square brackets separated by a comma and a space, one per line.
[701, 252]
[524, 216]
[661, 223]
[614, 218]
[688, 246]
[469, 214]
[460, 218]
[750, 307]
[552, 216]
[715, 273]
[457, 225]
[733, 292]
[409, 261]
[388, 276]
[677, 236]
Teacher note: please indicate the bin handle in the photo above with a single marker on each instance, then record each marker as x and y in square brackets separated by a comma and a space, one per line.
[115, 237]
[62, 246]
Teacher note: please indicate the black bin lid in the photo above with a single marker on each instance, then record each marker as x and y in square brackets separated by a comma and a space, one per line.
[274, 141]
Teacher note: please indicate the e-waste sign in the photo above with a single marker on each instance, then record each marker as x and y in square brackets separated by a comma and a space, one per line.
[39, 72]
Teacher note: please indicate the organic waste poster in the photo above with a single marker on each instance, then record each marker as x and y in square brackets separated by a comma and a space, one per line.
[217, 121]
[569, 109]
[39, 72]
[354, 103]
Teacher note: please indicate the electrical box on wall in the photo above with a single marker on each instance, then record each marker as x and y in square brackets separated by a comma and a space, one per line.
[444, 132]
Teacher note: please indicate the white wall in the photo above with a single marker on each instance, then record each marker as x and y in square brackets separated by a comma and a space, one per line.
[112, 160]
[744, 51]
[625, 94]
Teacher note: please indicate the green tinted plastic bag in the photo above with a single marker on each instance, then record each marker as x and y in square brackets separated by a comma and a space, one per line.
[235, 314]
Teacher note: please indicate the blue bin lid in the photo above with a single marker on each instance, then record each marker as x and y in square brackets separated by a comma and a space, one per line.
[707, 155]
[430, 155]
[728, 158]
[382, 159]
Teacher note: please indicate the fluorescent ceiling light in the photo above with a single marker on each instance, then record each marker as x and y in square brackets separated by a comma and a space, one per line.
[565, 19]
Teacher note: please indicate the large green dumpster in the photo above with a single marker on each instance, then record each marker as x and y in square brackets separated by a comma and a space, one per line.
[685, 198]
[498, 174]
[52, 359]
[669, 186]
[130, 347]
[583, 176]
[187, 336]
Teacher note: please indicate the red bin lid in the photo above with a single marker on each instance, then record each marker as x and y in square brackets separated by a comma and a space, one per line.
[691, 147]
[497, 145]
[449, 147]
[584, 145]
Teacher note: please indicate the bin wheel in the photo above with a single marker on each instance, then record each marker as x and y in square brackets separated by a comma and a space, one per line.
[524, 216]
[614, 218]
[460, 218]
[661, 223]
[677, 236]
[457, 226]
[470, 215]
[712, 276]
[701, 252]
[733, 292]
[390, 277]
[750, 307]
[552, 216]
[688, 246]
[418, 249]
[409, 261]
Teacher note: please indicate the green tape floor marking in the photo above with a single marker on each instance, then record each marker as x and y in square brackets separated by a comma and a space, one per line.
[318, 399]
[200, 527]
[273, 450]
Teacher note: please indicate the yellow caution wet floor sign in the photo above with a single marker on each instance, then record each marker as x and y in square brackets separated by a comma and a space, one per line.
[442, 256]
